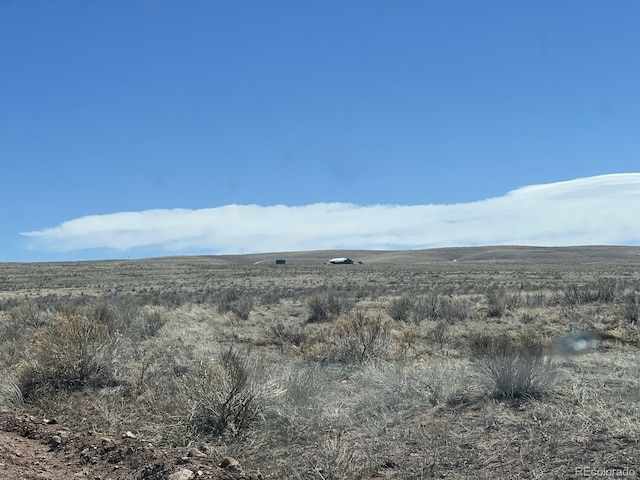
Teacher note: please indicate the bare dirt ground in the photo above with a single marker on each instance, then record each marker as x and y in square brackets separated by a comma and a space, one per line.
[35, 447]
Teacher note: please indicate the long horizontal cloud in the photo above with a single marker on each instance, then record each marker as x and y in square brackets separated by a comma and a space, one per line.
[596, 210]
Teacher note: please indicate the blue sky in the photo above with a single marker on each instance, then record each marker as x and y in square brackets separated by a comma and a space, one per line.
[145, 128]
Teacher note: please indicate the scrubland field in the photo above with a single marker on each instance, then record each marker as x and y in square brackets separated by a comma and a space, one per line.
[488, 363]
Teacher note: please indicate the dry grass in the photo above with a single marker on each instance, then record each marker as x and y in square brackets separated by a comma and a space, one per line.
[516, 368]
[404, 371]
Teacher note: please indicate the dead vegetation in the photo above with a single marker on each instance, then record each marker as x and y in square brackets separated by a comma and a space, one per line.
[444, 370]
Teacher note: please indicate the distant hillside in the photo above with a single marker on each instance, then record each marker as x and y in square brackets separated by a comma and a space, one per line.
[559, 255]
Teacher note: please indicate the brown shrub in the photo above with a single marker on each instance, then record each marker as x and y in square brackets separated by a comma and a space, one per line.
[363, 336]
[327, 307]
[222, 398]
[71, 352]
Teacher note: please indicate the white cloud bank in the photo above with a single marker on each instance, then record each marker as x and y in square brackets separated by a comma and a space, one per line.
[589, 211]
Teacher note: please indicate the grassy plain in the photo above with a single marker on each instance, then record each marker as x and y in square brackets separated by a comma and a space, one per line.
[411, 365]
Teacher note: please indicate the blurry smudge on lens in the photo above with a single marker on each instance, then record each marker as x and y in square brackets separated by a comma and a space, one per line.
[577, 343]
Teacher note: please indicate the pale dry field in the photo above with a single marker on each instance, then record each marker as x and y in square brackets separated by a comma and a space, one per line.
[386, 369]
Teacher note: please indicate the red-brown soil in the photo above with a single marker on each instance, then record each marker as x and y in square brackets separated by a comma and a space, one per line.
[33, 447]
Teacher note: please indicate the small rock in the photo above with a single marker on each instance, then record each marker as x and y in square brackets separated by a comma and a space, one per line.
[107, 445]
[230, 464]
[128, 434]
[194, 452]
[49, 421]
[184, 474]
[55, 441]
